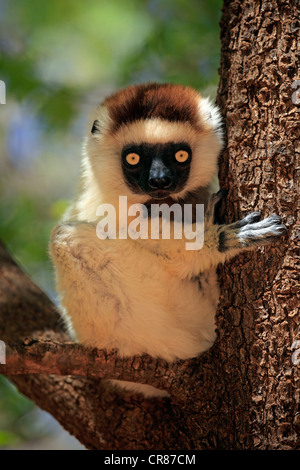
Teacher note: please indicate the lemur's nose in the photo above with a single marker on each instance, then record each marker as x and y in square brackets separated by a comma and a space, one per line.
[160, 182]
[160, 176]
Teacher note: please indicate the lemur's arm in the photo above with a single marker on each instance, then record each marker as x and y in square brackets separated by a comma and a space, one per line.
[77, 241]
[221, 242]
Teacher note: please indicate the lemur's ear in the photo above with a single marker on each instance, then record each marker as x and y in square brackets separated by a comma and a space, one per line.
[96, 127]
[211, 115]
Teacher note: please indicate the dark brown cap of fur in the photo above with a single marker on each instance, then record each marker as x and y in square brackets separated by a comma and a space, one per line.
[153, 100]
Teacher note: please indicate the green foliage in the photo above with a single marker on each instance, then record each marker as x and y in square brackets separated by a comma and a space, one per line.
[13, 406]
[16, 403]
[58, 50]
[183, 46]
[26, 227]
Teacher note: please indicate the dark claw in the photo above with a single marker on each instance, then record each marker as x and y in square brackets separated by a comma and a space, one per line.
[222, 193]
[275, 218]
[249, 219]
[281, 229]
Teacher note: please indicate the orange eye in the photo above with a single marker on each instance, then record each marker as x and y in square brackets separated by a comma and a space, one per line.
[182, 156]
[132, 158]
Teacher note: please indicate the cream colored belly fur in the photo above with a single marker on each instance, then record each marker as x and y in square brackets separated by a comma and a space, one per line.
[125, 298]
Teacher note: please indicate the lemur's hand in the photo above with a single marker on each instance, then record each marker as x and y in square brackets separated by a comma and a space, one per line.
[250, 232]
[247, 232]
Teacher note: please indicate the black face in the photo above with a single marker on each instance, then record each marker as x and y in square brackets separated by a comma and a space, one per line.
[156, 169]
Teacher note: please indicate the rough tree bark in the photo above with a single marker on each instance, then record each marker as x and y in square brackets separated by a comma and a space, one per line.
[259, 312]
[242, 394]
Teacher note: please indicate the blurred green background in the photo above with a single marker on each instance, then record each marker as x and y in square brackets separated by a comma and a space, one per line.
[58, 60]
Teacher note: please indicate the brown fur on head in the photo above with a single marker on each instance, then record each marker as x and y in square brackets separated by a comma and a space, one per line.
[149, 101]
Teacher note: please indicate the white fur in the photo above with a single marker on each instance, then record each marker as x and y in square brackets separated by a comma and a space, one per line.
[137, 296]
[211, 115]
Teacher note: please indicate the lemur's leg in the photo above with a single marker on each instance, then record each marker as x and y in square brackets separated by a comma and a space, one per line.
[83, 272]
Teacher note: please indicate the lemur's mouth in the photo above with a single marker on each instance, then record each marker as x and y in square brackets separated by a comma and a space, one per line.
[160, 200]
[168, 200]
[160, 197]
[159, 193]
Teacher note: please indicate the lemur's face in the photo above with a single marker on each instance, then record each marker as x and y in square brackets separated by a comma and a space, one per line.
[154, 142]
[158, 170]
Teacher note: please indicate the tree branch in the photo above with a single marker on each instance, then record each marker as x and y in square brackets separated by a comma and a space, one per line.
[49, 357]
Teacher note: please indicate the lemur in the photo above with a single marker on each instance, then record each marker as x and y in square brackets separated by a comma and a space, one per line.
[154, 143]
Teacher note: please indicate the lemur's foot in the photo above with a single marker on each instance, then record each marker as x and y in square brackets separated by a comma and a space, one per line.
[250, 232]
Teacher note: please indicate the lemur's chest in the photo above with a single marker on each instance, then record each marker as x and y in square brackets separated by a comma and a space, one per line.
[121, 297]
[146, 283]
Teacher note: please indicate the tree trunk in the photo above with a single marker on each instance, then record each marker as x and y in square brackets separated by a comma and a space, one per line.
[242, 394]
[259, 314]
